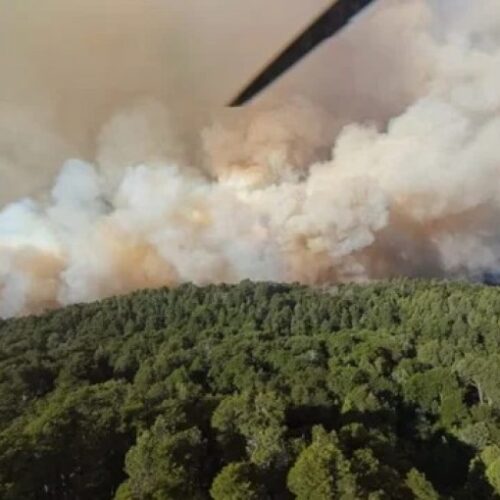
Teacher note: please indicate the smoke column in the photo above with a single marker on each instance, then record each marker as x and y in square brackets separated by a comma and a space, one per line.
[378, 156]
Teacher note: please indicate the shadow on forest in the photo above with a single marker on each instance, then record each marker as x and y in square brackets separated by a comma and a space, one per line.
[443, 458]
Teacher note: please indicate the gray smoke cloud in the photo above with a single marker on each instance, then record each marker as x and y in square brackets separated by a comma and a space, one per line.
[377, 156]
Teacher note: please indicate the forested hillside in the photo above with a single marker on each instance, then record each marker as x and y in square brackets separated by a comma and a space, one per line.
[256, 391]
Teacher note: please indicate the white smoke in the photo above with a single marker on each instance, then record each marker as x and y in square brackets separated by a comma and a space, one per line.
[284, 190]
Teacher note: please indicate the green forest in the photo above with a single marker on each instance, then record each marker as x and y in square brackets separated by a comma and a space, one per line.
[389, 390]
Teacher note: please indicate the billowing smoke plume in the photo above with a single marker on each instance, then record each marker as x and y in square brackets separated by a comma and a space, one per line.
[170, 187]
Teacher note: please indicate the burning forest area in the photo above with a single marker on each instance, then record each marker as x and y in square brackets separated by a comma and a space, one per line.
[122, 169]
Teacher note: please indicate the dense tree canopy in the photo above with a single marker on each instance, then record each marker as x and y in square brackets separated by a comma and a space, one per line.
[256, 391]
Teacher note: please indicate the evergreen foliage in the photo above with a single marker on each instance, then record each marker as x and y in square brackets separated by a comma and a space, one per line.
[256, 391]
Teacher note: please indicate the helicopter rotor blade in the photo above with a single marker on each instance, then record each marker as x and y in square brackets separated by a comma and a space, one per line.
[325, 26]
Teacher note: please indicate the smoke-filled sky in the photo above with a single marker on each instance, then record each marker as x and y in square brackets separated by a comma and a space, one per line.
[120, 168]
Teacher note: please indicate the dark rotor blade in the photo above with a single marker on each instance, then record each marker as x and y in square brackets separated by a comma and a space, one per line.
[328, 24]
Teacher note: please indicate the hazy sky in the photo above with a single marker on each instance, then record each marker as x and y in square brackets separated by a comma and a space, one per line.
[66, 66]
